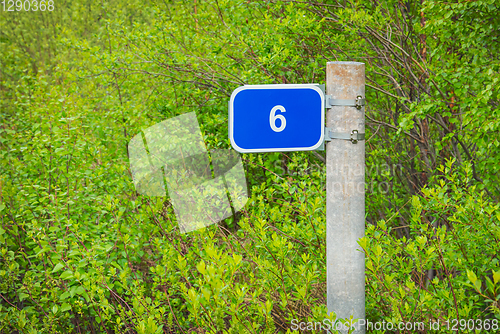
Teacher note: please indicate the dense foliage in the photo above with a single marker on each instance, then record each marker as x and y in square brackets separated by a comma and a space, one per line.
[82, 252]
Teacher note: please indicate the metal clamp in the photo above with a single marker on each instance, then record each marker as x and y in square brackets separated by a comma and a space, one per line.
[357, 103]
[353, 137]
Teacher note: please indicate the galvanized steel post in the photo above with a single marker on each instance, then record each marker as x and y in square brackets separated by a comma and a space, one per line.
[345, 195]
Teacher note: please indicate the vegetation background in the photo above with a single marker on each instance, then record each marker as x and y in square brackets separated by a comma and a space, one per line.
[82, 252]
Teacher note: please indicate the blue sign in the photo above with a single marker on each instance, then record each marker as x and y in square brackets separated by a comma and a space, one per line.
[276, 118]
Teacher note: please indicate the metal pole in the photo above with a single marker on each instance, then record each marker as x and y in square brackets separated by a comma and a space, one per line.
[345, 195]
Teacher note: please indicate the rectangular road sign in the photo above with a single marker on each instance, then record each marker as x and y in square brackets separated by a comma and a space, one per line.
[276, 118]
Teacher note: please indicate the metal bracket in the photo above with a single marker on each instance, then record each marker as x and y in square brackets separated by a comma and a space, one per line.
[357, 103]
[354, 136]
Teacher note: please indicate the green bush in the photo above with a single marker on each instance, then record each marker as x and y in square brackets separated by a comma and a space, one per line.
[448, 268]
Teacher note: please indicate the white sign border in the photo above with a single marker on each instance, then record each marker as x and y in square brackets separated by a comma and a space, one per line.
[276, 86]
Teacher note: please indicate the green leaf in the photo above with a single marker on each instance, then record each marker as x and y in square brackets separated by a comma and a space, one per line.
[472, 277]
[269, 305]
[80, 290]
[302, 292]
[64, 295]
[86, 296]
[363, 242]
[496, 276]
[23, 296]
[66, 274]
[58, 267]
[369, 265]
[477, 284]
[65, 307]
[201, 267]
[237, 258]
[72, 290]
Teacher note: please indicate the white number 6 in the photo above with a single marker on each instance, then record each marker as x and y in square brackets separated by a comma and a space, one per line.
[273, 118]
